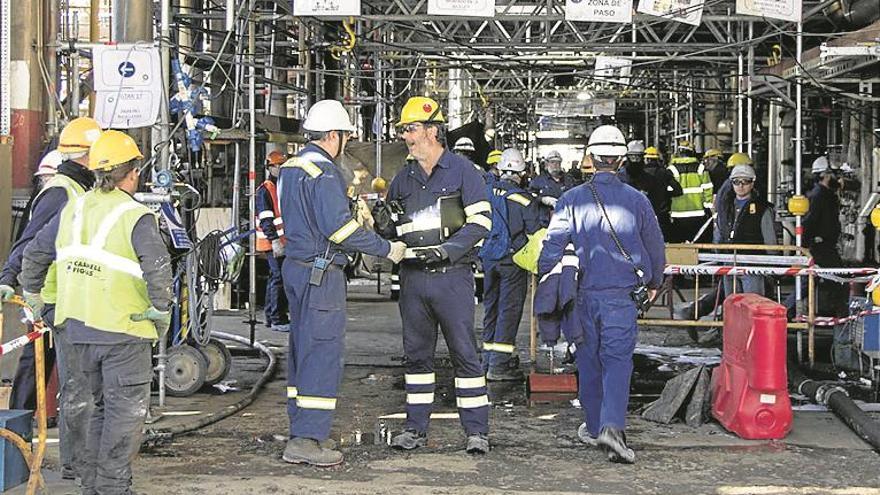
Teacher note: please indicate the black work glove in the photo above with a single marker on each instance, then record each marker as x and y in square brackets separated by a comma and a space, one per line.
[382, 222]
[431, 255]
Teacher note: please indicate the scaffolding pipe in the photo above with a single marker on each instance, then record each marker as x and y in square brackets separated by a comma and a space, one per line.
[749, 105]
[798, 159]
[94, 37]
[165, 71]
[378, 119]
[252, 174]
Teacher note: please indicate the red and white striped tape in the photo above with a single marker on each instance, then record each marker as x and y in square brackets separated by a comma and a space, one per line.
[791, 271]
[830, 321]
[21, 341]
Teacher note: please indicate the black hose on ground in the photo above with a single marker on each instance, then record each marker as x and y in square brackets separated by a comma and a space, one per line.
[154, 436]
[837, 399]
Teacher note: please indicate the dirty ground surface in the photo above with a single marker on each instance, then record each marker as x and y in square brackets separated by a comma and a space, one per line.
[535, 449]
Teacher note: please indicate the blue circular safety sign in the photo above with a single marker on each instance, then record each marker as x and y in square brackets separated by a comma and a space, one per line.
[126, 69]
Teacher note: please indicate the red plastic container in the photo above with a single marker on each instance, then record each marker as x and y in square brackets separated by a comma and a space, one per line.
[750, 387]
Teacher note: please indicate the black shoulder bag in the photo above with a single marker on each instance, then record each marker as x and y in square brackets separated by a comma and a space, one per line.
[640, 294]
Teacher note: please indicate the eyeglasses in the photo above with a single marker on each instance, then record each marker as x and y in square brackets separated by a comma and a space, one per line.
[742, 182]
[411, 127]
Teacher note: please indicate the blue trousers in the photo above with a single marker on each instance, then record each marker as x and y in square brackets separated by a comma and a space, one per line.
[276, 302]
[604, 360]
[444, 298]
[506, 286]
[316, 348]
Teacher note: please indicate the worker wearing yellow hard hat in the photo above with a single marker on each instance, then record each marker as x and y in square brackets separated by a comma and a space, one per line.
[714, 164]
[113, 299]
[71, 179]
[436, 277]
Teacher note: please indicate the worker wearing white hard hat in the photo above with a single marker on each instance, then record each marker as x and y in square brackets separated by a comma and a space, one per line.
[48, 166]
[514, 218]
[464, 146]
[319, 231]
[620, 252]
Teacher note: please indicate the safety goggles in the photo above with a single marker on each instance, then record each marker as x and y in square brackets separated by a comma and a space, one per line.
[411, 127]
[742, 182]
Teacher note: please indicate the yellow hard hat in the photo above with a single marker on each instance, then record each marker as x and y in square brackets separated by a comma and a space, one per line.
[420, 109]
[652, 152]
[738, 159]
[112, 149]
[713, 153]
[494, 157]
[685, 145]
[79, 135]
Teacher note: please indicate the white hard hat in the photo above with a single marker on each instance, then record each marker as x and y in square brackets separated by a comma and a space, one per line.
[635, 147]
[820, 165]
[464, 144]
[512, 161]
[326, 116]
[554, 156]
[607, 140]
[50, 163]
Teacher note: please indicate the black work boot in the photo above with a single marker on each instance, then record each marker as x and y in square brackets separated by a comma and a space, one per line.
[307, 451]
[613, 442]
[477, 443]
[409, 440]
[507, 372]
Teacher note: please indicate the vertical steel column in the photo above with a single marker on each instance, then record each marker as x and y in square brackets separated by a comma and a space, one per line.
[749, 105]
[798, 151]
[378, 118]
[252, 159]
[165, 73]
[94, 37]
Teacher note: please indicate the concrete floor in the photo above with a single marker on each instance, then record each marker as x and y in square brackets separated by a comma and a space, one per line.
[535, 449]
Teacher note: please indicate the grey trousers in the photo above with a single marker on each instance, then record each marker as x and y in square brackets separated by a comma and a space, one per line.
[119, 379]
[75, 404]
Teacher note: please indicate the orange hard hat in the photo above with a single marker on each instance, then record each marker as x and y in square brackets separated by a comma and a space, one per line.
[275, 157]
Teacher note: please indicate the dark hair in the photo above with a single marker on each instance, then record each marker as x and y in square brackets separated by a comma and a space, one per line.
[441, 131]
[107, 180]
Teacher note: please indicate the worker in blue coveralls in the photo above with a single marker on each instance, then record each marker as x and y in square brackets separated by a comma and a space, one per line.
[270, 240]
[446, 213]
[549, 186]
[514, 217]
[320, 230]
[609, 281]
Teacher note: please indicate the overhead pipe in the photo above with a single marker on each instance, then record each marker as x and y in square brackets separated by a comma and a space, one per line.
[853, 13]
[836, 398]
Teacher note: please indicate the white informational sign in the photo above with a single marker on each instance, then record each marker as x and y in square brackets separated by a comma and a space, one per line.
[127, 109]
[572, 107]
[686, 11]
[613, 69]
[619, 11]
[128, 84]
[787, 10]
[330, 8]
[471, 8]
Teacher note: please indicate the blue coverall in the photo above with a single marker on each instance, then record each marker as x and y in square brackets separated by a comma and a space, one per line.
[275, 306]
[607, 311]
[545, 185]
[506, 284]
[441, 294]
[318, 224]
